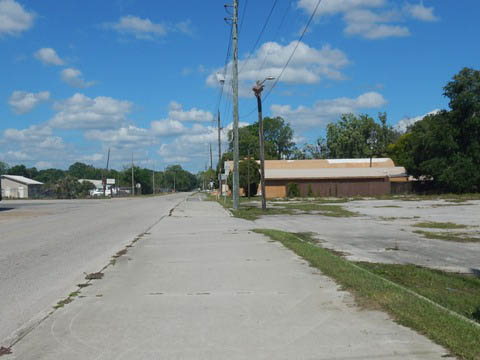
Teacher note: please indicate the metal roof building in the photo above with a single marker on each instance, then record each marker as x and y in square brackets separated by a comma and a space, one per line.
[19, 187]
[334, 177]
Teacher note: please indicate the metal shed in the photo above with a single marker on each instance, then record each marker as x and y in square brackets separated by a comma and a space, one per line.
[19, 187]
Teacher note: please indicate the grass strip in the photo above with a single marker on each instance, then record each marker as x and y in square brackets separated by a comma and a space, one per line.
[448, 236]
[446, 328]
[439, 225]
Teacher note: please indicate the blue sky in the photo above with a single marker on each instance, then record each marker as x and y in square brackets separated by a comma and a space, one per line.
[79, 77]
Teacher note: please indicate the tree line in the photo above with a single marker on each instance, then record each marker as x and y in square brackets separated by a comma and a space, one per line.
[441, 150]
[65, 184]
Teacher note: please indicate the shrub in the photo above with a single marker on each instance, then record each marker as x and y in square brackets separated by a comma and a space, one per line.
[293, 190]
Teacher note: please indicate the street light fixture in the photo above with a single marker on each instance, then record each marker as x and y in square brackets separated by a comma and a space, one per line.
[257, 90]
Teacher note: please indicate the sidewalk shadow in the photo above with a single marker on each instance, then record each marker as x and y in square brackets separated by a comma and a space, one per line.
[6, 208]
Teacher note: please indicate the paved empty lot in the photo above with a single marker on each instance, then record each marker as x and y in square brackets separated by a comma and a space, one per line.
[200, 285]
[383, 232]
[47, 246]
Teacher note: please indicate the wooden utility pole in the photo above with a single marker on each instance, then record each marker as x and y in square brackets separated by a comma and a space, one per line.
[211, 158]
[257, 89]
[153, 178]
[236, 178]
[219, 155]
[133, 185]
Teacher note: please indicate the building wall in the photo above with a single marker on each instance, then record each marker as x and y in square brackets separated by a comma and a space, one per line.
[13, 189]
[331, 187]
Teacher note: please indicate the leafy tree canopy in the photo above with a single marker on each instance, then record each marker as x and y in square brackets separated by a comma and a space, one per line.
[278, 139]
[445, 147]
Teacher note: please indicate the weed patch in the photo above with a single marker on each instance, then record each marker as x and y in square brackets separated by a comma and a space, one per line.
[439, 225]
[448, 236]
[94, 276]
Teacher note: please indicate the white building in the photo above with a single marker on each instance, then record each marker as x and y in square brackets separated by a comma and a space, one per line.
[19, 187]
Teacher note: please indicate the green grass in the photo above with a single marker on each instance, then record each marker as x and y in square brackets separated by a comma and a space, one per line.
[457, 292]
[439, 225]
[252, 212]
[448, 236]
[456, 334]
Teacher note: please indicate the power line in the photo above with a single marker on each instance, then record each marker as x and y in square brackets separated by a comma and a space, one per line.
[259, 35]
[243, 16]
[277, 32]
[290, 58]
[294, 49]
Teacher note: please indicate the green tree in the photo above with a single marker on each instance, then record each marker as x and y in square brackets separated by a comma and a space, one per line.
[249, 176]
[3, 168]
[445, 147]
[19, 170]
[278, 139]
[84, 171]
[68, 187]
[359, 137]
[50, 176]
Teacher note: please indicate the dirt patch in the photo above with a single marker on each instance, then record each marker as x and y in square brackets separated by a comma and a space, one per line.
[94, 276]
[5, 351]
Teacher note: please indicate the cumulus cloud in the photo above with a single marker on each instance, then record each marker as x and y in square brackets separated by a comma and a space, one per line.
[23, 102]
[48, 56]
[308, 66]
[74, 78]
[372, 25]
[146, 29]
[324, 111]
[37, 140]
[82, 112]
[123, 137]
[14, 19]
[421, 12]
[193, 146]
[168, 127]
[405, 123]
[370, 19]
[177, 113]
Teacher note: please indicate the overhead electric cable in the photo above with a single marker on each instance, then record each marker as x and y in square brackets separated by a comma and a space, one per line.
[259, 36]
[277, 79]
[294, 50]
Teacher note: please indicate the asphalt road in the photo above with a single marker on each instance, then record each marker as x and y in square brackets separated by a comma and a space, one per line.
[47, 246]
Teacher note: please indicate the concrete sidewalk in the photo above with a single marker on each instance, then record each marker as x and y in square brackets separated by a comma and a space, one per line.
[200, 285]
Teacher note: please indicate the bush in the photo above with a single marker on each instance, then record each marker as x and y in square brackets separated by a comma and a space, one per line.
[293, 190]
[310, 191]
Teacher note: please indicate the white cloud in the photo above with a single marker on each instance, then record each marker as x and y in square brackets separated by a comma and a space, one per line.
[23, 102]
[332, 7]
[48, 56]
[37, 140]
[17, 155]
[324, 111]
[93, 157]
[420, 12]
[195, 115]
[146, 29]
[308, 66]
[372, 25]
[73, 77]
[14, 19]
[168, 127]
[82, 112]
[403, 124]
[371, 19]
[40, 165]
[123, 137]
